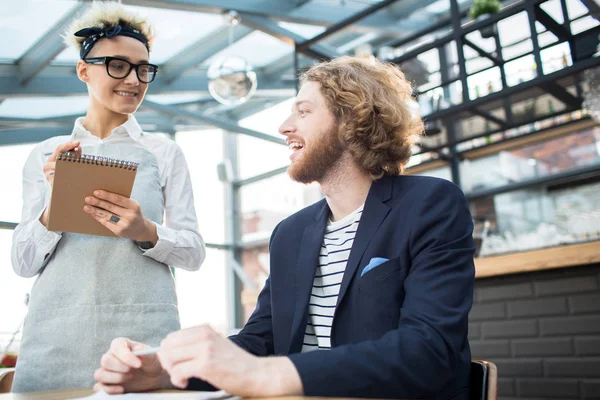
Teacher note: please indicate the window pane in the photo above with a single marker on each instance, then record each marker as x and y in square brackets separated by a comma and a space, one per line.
[538, 218]
[265, 203]
[204, 295]
[13, 290]
[12, 158]
[577, 150]
[251, 151]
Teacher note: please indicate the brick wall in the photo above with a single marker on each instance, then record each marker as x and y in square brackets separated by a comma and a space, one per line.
[542, 330]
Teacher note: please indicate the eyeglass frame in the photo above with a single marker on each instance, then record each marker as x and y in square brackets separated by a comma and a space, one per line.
[106, 60]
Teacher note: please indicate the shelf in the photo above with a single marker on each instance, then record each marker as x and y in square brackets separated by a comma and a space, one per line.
[538, 260]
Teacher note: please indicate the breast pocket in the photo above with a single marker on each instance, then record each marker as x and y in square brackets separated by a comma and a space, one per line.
[382, 293]
[389, 273]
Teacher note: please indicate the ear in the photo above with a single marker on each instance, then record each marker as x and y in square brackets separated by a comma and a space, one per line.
[82, 71]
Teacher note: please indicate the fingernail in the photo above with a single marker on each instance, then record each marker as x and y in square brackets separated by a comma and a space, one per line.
[88, 199]
[87, 209]
[98, 193]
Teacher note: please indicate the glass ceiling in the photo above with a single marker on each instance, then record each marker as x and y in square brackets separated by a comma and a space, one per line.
[258, 48]
[175, 30]
[25, 21]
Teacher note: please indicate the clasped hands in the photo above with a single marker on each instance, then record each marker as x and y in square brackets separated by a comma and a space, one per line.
[198, 352]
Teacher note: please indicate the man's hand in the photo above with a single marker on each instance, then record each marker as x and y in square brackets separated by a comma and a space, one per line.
[121, 371]
[122, 215]
[202, 353]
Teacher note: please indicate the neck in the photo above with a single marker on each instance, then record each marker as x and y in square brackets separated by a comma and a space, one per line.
[345, 187]
[101, 122]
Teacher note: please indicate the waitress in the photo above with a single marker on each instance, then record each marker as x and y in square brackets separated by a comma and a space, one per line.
[92, 289]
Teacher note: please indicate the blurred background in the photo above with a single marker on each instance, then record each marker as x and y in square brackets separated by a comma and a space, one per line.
[509, 90]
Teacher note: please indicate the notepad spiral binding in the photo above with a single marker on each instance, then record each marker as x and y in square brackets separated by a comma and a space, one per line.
[98, 160]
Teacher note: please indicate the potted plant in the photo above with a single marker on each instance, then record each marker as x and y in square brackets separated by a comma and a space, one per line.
[8, 360]
[482, 9]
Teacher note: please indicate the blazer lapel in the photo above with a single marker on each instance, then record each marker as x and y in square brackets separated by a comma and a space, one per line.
[308, 260]
[374, 213]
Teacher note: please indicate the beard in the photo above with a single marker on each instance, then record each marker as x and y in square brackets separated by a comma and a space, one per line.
[318, 160]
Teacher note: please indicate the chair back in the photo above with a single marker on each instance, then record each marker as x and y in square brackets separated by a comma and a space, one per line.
[483, 380]
[6, 379]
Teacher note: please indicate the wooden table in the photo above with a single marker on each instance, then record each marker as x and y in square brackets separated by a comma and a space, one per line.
[50, 395]
[74, 393]
[70, 394]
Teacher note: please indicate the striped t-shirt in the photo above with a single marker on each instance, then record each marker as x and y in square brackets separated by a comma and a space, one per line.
[335, 250]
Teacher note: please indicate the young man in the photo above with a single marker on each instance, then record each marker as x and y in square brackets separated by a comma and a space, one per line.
[370, 288]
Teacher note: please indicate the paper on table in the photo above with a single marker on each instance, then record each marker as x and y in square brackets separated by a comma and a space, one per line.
[162, 396]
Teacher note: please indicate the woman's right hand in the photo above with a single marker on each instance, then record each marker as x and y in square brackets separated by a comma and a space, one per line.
[121, 371]
[50, 166]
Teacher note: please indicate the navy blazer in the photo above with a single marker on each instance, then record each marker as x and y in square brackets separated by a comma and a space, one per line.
[400, 330]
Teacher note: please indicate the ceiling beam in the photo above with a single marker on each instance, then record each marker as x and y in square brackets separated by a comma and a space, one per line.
[361, 15]
[489, 117]
[482, 53]
[311, 13]
[550, 24]
[593, 7]
[318, 51]
[280, 7]
[561, 94]
[14, 136]
[62, 81]
[218, 122]
[201, 51]
[8, 225]
[143, 117]
[46, 48]
[436, 23]
[31, 134]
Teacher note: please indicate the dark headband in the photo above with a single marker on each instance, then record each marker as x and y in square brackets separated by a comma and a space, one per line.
[92, 35]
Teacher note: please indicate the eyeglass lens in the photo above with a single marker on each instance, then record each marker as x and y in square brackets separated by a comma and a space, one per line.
[120, 69]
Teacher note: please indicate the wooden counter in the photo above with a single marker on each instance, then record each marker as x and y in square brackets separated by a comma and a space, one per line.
[537, 260]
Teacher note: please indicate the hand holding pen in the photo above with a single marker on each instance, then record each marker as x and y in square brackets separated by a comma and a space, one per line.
[129, 366]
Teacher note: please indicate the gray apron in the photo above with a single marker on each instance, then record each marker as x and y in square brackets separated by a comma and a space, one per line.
[93, 290]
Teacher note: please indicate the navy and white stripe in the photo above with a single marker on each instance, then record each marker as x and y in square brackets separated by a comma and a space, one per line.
[335, 250]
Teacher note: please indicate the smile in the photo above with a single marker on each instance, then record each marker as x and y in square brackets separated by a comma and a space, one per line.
[294, 146]
[125, 94]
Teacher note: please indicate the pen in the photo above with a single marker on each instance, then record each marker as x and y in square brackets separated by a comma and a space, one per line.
[146, 352]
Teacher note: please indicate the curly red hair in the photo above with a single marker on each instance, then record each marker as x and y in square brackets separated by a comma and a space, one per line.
[370, 100]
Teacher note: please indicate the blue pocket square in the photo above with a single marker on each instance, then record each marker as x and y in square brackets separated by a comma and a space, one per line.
[375, 261]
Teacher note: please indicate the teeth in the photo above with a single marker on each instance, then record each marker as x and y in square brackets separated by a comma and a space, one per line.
[126, 94]
[295, 146]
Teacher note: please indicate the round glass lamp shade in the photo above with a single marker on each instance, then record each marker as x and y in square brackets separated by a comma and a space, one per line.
[231, 80]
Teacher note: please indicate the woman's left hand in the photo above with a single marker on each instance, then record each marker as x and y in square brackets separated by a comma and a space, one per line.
[122, 215]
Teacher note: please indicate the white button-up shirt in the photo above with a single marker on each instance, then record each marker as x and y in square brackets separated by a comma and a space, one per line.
[179, 243]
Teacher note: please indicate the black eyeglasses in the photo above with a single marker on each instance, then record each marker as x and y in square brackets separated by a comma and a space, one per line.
[118, 68]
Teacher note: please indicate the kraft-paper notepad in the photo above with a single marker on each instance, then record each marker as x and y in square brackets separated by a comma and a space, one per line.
[78, 176]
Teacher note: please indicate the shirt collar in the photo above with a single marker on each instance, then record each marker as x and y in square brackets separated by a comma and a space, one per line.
[131, 127]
